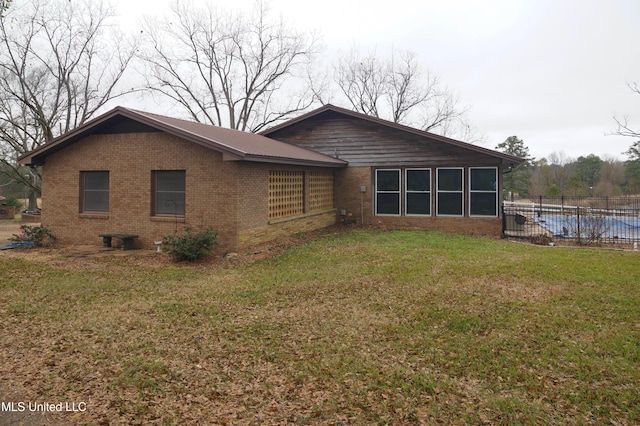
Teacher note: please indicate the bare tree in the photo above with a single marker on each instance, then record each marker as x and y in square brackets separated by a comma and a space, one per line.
[362, 81]
[227, 68]
[611, 177]
[562, 169]
[623, 126]
[400, 90]
[58, 66]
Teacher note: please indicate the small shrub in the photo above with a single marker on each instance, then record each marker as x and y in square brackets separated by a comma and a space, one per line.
[191, 245]
[12, 201]
[38, 235]
[541, 239]
[589, 228]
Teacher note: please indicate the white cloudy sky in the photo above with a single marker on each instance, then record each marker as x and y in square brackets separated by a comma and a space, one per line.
[552, 72]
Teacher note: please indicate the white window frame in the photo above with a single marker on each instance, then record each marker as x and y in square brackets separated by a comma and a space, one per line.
[438, 191]
[407, 191]
[399, 192]
[495, 191]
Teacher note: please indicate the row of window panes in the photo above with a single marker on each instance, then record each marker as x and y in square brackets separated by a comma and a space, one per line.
[483, 194]
[168, 192]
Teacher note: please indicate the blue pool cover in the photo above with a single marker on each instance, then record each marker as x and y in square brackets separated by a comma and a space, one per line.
[613, 227]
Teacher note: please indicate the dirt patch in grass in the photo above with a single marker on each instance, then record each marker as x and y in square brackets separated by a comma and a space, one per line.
[503, 290]
[7, 229]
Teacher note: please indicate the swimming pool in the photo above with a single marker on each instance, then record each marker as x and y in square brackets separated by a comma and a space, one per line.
[612, 227]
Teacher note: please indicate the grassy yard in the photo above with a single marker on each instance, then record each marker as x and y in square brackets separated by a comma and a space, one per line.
[362, 327]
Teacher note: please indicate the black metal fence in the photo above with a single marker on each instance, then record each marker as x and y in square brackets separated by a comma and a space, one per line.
[590, 220]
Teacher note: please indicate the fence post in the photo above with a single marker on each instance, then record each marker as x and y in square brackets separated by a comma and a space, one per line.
[578, 224]
[540, 206]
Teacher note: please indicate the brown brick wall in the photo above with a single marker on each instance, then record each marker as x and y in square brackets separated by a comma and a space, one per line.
[282, 228]
[466, 225]
[211, 197]
[347, 192]
[253, 217]
[254, 187]
[230, 197]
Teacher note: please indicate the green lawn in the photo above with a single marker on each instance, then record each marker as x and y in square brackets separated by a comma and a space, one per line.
[362, 327]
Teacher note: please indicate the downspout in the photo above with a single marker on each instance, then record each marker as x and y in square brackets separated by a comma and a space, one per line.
[510, 169]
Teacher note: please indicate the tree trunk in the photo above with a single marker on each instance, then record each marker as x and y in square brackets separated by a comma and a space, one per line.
[33, 200]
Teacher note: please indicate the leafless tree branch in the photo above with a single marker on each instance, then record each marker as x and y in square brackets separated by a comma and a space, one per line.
[227, 68]
[623, 127]
[400, 90]
[58, 66]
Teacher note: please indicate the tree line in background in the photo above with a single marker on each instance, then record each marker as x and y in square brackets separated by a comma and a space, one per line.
[558, 175]
[63, 62]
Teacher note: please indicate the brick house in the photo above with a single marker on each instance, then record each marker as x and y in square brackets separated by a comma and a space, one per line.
[400, 177]
[134, 172]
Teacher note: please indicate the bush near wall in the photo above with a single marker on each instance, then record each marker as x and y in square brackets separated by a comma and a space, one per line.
[190, 245]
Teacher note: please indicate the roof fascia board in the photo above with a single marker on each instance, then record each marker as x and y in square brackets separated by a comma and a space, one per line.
[293, 162]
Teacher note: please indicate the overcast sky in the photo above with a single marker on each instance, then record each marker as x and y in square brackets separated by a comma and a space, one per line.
[552, 72]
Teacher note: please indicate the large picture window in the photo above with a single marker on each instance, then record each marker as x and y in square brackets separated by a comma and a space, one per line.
[94, 192]
[483, 191]
[450, 195]
[388, 192]
[169, 192]
[418, 192]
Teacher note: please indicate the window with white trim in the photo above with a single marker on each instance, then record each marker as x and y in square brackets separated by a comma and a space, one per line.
[483, 191]
[388, 192]
[418, 192]
[450, 192]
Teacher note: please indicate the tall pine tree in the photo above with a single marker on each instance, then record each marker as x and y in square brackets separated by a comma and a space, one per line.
[518, 180]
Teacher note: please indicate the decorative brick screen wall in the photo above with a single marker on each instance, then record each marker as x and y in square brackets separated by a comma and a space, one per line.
[286, 193]
[320, 191]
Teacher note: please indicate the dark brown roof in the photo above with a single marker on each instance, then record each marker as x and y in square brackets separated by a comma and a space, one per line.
[506, 158]
[234, 144]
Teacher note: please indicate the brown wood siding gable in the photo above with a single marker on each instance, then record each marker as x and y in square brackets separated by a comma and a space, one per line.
[363, 143]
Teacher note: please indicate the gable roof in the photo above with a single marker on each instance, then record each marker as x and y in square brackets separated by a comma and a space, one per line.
[505, 158]
[233, 144]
